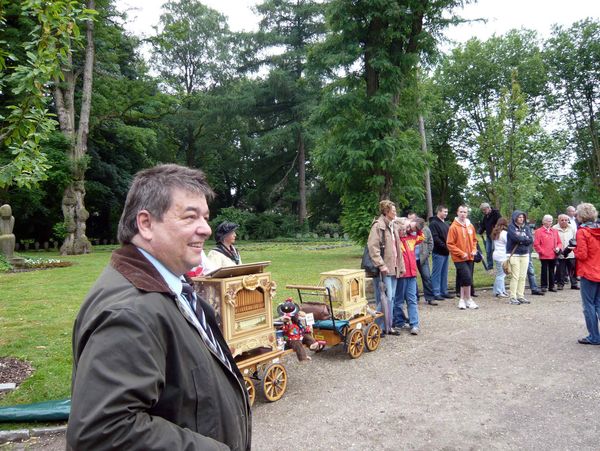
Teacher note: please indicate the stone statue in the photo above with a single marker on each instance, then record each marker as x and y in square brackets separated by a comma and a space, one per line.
[7, 239]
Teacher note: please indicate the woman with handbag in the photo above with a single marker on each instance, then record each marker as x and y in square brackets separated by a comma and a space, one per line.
[518, 239]
[499, 256]
[384, 249]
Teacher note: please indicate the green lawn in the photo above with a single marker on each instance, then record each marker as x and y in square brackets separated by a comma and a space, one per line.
[37, 308]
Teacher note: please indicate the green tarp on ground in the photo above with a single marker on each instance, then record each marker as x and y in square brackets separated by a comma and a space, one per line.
[57, 410]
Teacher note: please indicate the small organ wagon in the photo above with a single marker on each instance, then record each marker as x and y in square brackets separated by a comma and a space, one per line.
[242, 299]
[341, 311]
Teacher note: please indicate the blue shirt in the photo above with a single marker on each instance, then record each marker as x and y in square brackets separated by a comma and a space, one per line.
[174, 283]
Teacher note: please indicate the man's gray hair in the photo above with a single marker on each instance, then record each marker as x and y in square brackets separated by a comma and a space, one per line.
[484, 205]
[587, 213]
[152, 190]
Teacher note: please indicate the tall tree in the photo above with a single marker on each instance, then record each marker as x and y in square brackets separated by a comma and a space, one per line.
[36, 39]
[573, 55]
[74, 124]
[287, 30]
[192, 55]
[370, 148]
[495, 90]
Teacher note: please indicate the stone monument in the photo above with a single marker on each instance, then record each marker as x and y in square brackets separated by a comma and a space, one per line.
[7, 239]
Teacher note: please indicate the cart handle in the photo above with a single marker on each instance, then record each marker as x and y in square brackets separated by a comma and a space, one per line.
[307, 287]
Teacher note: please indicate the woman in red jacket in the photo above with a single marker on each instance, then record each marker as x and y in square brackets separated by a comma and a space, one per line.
[587, 253]
[547, 244]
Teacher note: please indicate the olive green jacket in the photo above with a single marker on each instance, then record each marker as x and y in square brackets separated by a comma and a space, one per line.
[143, 377]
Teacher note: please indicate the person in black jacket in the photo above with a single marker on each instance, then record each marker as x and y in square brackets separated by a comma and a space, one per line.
[518, 243]
[439, 255]
[490, 218]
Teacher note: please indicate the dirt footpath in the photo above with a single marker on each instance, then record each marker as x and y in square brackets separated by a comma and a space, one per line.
[501, 377]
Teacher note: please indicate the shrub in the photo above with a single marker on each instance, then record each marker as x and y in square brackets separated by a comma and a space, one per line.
[232, 214]
[358, 213]
[59, 231]
[289, 226]
[328, 227]
[5, 266]
[263, 226]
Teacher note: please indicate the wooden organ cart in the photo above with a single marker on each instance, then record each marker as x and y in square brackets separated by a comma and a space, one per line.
[343, 291]
[241, 297]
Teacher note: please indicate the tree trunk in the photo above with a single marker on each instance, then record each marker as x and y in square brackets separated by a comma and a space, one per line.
[301, 178]
[427, 176]
[73, 206]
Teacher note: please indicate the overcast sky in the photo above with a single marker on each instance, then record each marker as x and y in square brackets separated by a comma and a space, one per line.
[502, 15]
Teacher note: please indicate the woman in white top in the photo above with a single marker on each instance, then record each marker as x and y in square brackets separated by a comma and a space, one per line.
[499, 255]
[225, 254]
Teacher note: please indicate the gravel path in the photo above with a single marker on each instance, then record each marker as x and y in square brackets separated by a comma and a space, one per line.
[501, 377]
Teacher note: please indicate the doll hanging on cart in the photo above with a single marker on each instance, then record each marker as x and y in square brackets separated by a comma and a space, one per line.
[297, 333]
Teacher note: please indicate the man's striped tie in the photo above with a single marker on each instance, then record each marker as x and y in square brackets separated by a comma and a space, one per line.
[188, 293]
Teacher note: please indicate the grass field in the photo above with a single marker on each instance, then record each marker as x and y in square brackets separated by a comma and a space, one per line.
[37, 308]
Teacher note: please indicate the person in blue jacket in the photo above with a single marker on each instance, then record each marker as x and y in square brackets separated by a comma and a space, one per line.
[518, 241]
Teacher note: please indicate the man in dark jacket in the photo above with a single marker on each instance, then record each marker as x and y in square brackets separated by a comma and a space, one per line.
[490, 218]
[151, 369]
[439, 255]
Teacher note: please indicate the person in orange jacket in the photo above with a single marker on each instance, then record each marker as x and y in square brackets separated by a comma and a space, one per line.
[462, 244]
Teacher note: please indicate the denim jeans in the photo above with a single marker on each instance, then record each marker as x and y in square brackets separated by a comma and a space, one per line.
[439, 274]
[425, 273]
[390, 287]
[406, 290]
[531, 275]
[489, 251]
[590, 298]
[499, 284]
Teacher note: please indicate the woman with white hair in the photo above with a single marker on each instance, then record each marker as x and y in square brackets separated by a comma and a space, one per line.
[587, 253]
[547, 244]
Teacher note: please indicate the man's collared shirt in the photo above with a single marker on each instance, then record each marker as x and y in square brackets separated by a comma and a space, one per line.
[174, 283]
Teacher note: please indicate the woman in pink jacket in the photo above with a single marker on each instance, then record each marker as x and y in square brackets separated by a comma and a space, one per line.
[547, 244]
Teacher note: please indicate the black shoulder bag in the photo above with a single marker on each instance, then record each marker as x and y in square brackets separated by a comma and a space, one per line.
[371, 270]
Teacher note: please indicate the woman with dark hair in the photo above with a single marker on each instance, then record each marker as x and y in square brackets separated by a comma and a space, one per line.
[518, 240]
[587, 253]
[225, 254]
[498, 236]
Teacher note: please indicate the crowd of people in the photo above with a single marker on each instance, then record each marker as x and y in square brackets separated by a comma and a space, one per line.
[569, 252]
[151, 368]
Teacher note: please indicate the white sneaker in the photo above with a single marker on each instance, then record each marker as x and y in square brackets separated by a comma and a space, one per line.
[471, 304]
[461, 304]
[502, 295]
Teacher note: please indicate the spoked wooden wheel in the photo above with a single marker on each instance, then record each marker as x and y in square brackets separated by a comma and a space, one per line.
[372, 337]
[274, 382]
[251, 389]
[355, 343]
